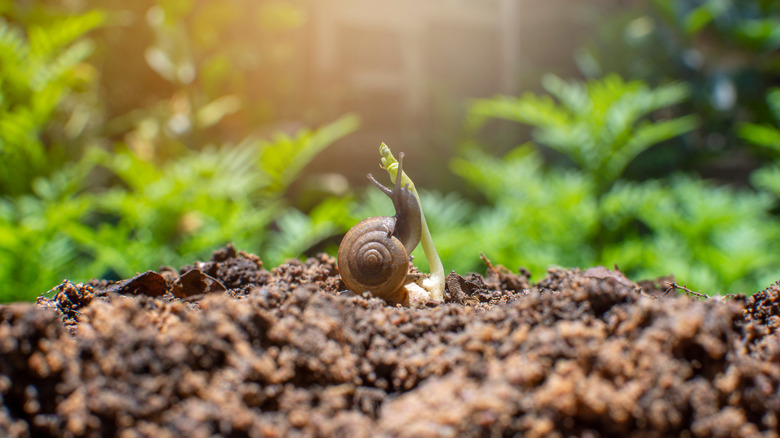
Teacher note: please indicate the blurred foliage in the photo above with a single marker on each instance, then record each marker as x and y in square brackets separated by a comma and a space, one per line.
[135, 134]
[39, 68]
[710, 237]
[96, 186]
[602, 126]
[169, 213]
[187, 207]
[767, 136]
[202, 71]
[725, 50]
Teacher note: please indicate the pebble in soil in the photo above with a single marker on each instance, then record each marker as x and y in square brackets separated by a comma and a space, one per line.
[287, 352]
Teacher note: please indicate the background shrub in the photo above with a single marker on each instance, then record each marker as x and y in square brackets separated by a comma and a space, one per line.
[135, 134]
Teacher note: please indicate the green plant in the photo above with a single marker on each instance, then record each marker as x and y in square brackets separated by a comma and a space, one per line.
[162, 213]
[45, 86]
[602, 125]
[533, 218]
[41, 234]
[724, 50]
[767, 134]
[84, 193]
[715, 238]
[183, 209]
[711, 237]
[41, 66]
[768, 137]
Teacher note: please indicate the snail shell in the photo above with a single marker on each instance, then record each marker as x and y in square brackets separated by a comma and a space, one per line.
[374, 255]
[373, 260]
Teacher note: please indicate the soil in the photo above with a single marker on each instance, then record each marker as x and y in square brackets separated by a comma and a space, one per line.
[232, 349]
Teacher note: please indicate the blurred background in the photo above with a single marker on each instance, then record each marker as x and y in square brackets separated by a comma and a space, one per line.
[638, 133]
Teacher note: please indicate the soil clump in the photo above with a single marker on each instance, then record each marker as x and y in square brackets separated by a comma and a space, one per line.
[233, 349]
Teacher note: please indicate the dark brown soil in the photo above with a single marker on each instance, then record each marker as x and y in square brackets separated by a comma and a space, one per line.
[235, 350]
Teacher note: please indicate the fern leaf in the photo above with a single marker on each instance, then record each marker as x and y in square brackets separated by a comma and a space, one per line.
[285, 157]
[47, 41]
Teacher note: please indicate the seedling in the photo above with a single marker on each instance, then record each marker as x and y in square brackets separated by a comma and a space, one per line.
[435, 283]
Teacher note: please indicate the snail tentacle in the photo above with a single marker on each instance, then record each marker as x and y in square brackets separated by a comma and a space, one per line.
[408, 226]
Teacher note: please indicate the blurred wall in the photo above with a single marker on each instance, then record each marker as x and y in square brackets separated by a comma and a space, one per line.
[409, 67]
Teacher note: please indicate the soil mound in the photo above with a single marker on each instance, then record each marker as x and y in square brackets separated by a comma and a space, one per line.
[237, 350]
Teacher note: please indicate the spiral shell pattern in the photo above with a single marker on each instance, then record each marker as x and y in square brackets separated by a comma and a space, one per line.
[370, 260]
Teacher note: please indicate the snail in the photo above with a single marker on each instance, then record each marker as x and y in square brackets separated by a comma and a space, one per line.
[374, 254]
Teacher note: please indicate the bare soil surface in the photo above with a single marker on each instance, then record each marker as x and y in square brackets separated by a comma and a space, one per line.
[231, 349]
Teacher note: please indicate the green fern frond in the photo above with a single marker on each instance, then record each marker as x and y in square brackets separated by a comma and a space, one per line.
[12, 42]
[46, 41]
[61, 66]
[283, 158]
[601, 125]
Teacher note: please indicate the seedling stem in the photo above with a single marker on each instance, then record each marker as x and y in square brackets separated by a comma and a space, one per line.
[435, 283]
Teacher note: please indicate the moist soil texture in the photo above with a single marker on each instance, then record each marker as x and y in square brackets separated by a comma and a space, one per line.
[228, 348]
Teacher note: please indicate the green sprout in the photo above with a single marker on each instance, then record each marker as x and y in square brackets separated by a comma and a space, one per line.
[435, 283]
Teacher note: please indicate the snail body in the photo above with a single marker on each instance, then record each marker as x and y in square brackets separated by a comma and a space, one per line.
[374, 254]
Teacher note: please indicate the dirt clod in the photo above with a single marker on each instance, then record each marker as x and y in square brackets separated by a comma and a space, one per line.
[287, 353]
[193, 283]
